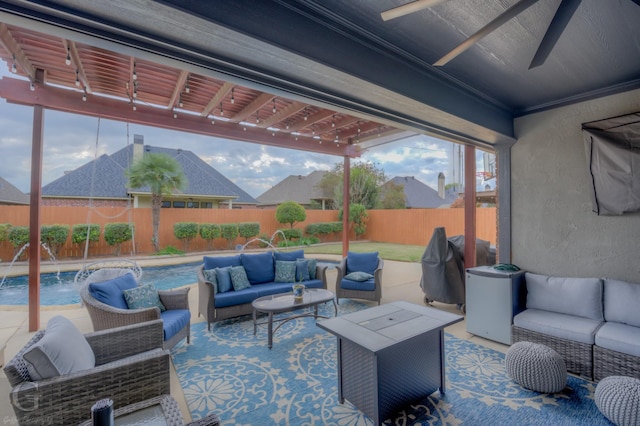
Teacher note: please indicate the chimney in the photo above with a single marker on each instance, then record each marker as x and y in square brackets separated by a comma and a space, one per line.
[441, 185]
[138, 147]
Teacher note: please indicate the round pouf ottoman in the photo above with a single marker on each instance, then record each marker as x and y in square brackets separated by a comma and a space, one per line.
[618, 398]
[536, 367]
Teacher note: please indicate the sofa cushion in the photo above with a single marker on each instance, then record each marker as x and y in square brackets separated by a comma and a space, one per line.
[212, 276]
[259, 267]
[621, 302]
[367, 285]
[285, 271]
[62, 350]
[570, 327]
[145, 296]
[110, 291]
[581, 297]
[224, 279]
[212, 262]
[363, 262]
[313, 264]
[289, 256]
[239, 278]
[302, 270]
[173, 321]
[270, 289]
[620, 338]
[233, 298]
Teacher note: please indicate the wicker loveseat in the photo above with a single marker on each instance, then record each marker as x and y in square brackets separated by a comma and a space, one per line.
[130, 366]
[593, 323]
[261, 272]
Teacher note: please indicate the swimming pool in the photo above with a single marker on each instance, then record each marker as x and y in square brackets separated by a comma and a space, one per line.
[59, 289]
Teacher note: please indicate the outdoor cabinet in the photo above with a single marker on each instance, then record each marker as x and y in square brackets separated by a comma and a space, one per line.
[493, 298]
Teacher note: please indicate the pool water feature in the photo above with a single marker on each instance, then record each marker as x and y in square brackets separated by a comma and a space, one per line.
[59, 289]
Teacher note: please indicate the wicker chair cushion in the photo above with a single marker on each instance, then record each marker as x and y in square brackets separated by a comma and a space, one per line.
[581, 297]
[302, 270]
[368, 285]
[536, 367]
[620, 338]
[290, 256]
[145, 296]
[621, 302]
[259, 267]
[173, 321]
[563, 326]
[62, 350]
[362, 262]
[239, 278]
[618, 399]
[110, 291]
[212, 262]
[224, 279]
[285, 271]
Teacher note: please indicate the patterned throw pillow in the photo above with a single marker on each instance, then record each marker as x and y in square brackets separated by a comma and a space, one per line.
[358, 276]
[145, 296]
[313, 263]
[239, 278]
[302, 270]
[285, 271]
[211, 276]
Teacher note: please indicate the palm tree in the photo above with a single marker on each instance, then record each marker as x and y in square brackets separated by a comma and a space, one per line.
[162, 174]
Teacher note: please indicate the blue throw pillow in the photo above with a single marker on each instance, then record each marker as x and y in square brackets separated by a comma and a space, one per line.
[211, 276]
[110, 291]
[259, 267]
[224, 279]
[362, 262]
[285, 271]
[290, 256]
[358, 276]
[313, 263]
[145, 296]
[302, 270]
[239, 278]
[212, 262]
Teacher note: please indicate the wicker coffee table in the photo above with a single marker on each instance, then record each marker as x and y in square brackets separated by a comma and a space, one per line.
[285, 302]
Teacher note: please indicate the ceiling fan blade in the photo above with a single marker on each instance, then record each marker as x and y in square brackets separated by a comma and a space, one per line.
[513, 11]
[408, 8]
[559, 22]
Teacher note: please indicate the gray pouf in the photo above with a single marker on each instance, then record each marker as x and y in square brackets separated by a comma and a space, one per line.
[618, 398]
[536, 367]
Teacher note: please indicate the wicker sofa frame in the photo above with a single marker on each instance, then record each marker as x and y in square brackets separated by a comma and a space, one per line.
[374, 295]
[131, 366]
[607, 362]
[104, 316]
[207, 299]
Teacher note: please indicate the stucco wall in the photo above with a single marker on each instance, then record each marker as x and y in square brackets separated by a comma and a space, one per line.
[554, 230]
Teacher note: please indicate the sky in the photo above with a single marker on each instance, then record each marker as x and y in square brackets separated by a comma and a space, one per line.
[71, 141]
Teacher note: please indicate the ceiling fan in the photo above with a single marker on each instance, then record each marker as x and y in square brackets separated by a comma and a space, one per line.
[561, 18]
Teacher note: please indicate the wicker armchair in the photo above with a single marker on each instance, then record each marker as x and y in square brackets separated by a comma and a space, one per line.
[104, 316]
[131, 366]
[374, 295]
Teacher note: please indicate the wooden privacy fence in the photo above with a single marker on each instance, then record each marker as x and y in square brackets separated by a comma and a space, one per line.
[413, 226]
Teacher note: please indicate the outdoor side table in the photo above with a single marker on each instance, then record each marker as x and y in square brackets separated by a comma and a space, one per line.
[390, 356]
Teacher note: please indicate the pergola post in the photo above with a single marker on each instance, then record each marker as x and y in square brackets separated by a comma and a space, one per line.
[469, 206]
[345, 205]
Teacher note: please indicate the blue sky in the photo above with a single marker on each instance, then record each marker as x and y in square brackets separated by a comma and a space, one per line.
[70, 141]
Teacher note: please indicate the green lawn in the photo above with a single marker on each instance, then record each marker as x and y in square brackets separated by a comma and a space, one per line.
[399, 252]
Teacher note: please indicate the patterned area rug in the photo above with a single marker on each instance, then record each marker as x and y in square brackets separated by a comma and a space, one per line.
[232, 373]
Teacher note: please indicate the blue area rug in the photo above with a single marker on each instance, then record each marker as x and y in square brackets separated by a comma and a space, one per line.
[232, 373]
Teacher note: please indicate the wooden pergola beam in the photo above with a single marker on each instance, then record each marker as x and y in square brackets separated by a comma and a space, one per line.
[11, 45]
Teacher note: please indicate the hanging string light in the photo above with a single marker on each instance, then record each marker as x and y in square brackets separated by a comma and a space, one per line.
[186, 87]
[175, 114]
[306, 114]
[274, 105]
[77, 78]
[221, 110]
[233, 100]
[13, 65]
[134, 76]
[258, 117]
[180, 103]
[84, 95]
[68, 58]
[333, 121]
[32, 86]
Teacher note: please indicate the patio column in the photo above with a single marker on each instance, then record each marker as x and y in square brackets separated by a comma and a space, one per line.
[469, 206]
[34, 210]
[503, 194]
[345, 205]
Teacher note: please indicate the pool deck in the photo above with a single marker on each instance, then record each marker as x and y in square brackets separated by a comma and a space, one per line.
[401, 281]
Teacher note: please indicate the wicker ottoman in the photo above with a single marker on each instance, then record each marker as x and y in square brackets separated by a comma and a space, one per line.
[536, 367]
[618, 398]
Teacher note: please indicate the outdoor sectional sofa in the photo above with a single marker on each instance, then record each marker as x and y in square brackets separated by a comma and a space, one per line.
[266, 274]
[593, 323]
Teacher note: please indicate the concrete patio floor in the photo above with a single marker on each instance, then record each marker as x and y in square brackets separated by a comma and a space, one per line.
[401, 281]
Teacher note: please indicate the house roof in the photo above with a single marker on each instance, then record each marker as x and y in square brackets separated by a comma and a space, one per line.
[298, 188]
[420, 195]
[9, 194]
[104, 177]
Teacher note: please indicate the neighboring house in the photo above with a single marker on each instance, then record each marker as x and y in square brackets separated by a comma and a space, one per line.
[301, 189]
[9, 194]
[421, 196]
[103, 181]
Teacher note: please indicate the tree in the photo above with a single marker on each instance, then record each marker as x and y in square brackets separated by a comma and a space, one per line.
[162, 174]
[290, 212]
[364, 184]
[393, 196]
[357, 218]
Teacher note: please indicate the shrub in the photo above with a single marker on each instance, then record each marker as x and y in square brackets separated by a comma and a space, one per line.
[290, 212]
[229, 232]
[321, 229]
[292, 233]
[307, 241]
[54, 237]
[248, 230]
[79, 233]
[117, 233]
[4, 231]
[185, 232]
[357, 218]
[169, 250]
[18, 237]
[209, 232]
